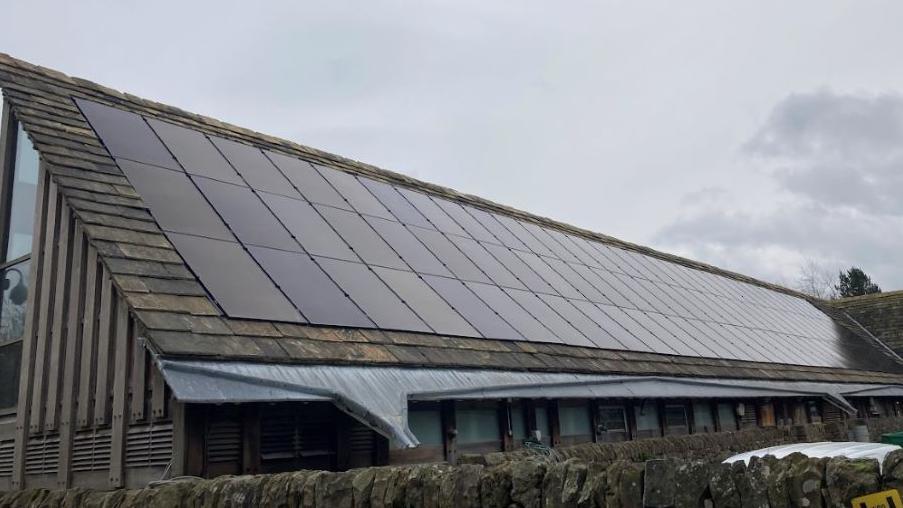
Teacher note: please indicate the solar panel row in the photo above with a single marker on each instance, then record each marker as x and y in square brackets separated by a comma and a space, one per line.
[278, 238]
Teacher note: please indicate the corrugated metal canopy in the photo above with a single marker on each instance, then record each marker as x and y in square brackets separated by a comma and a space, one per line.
[378, 396]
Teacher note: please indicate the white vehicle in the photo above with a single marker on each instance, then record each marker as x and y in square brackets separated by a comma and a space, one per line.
[851, 449]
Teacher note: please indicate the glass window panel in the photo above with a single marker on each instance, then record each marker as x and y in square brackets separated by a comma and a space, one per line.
[472, 308]
[450, 256]
[126, 134]
[372, 295]
[256, 169]
[362, 238]
[518, 423]
[488, 264]
[465, 220]
[676, 420]
[647, 423]
[500, 232]
[307, 180]
[400, 207]
[308, 287]
[420, 259]
[702, 417]
[426, 303]
[515, 265]
[10, 361]
[588, 327]
[574, 419]
[174, 201]
[15, 299]
[537, 308]
[432, 212]
[195, 152]
[539, 266]
[517, 229]
[727, 417]
[513, 313]
[477, 425]
[247, 216]
[426, 424]
[25, 184]
[235, 281]
[307, 226]
[612, 418]
[543, 425]
[356, 194]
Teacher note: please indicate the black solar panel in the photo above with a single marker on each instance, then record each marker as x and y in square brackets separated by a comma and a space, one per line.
[275, 237]
[195, 152]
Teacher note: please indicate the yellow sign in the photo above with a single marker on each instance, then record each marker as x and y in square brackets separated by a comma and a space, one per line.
[886, 499]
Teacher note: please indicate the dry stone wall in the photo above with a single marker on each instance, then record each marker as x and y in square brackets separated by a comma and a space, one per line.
[793, 482]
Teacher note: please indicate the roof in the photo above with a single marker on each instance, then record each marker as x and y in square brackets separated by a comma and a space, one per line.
[178, 316]
[379, 395]
[881, 314]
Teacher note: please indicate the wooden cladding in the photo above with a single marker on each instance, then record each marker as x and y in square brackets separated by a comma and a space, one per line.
[89, 398]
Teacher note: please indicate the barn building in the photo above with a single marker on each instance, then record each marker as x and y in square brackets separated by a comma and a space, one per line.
[182, 296]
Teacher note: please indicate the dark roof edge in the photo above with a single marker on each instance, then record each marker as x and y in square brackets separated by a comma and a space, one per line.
[219, 127]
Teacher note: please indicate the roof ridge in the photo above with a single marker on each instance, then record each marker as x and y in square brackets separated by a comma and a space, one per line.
[297, 149]
[885, 295]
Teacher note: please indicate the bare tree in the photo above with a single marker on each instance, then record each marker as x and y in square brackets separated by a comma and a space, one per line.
[816, 279]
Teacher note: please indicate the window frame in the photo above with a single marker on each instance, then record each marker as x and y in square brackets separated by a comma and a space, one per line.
[9, 138]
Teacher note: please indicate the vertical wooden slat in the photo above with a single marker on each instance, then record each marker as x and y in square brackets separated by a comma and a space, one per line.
[89, 340]
[594, 419]
[28, 338]
[123, 345]
[58, 325]
[104, 351]
[73, 357]
[139, 379]
[506, 425]
[158, 393]
[179, 440]
[48, 276]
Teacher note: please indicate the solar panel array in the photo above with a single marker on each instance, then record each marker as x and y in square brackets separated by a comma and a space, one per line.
[275, 237]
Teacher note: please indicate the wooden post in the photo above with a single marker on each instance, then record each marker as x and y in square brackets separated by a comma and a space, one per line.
[631, 420]
[449, 431]
[105, 354]
[342, 440]
[58, 327]
[45, 310]
[506, 425]
[123, 344]
[594, 419]
[250, 428]
[554, 423]
[73, 358]
[89, 341]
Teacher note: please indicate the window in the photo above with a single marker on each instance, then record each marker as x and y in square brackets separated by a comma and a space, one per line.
[676, 420]
[702, 417]
[574, 423]
[18, 187]
[543, 425]
[518, 421]
[612, 424]
[478, 428]
[426, 424]
[647, 424]
[727, 417]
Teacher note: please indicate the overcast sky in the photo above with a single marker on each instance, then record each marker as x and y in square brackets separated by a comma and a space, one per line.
[751, 135]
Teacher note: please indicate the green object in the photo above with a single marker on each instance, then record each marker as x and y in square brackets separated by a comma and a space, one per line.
[892, 438]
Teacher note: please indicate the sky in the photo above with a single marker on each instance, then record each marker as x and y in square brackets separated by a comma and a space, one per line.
[758, 136]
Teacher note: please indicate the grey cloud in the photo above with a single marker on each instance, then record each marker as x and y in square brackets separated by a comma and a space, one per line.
[837, 161]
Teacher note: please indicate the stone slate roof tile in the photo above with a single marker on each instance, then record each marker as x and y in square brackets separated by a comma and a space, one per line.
[178, 319]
